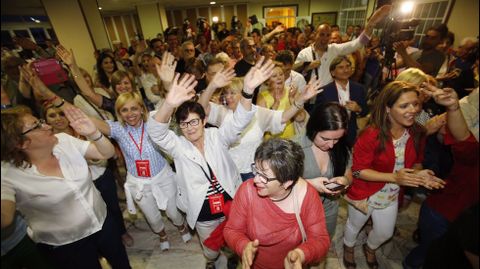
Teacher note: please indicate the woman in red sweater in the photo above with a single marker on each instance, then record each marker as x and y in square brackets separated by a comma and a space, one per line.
[388, 153]
[277, 219]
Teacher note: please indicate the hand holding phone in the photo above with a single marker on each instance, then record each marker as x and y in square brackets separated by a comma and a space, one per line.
[332, 186]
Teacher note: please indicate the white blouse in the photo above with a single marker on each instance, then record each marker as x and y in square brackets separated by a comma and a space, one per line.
[58, 210]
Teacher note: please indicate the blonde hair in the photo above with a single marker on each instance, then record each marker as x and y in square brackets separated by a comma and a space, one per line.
[236, 85]
[127, 97]
[117, 77]
[412, 75]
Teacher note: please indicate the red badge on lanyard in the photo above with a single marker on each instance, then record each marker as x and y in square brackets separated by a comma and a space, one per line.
[143, 166]
[216, 203]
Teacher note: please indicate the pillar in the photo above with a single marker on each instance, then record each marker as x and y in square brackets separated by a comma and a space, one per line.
[68, 23]
[95, 23]
[150, 19]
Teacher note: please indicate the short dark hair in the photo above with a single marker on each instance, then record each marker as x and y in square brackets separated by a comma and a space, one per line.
[155, 40]
[257, 32]
[450, 37]
[442, 29]
[189, 107]
[284, 157]
[285, 57]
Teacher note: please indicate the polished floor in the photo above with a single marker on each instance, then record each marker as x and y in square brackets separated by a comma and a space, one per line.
[146, 253]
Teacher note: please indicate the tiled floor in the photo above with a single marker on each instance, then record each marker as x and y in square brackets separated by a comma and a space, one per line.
[146, 252]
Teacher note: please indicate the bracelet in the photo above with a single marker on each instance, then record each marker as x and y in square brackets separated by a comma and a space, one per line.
[98, 138]
[61, 104]
[356, 173]
[247, 95]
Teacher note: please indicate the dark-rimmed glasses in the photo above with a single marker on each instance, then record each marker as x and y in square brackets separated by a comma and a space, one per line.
[37, 125]
[184, 124]
[263, 178]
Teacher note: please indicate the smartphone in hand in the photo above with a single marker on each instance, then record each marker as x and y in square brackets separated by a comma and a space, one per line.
[332, 186]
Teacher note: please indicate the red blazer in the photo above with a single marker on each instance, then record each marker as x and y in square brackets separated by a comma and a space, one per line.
[367, 156]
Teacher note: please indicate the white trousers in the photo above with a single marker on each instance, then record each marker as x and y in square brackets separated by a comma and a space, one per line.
[152, 195]
[383, 225]
[204, 229]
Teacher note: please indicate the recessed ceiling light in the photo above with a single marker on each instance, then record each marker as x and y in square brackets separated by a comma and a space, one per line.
[100, 8]
[213, 3]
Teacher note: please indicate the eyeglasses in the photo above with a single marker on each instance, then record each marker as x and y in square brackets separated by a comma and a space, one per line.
[184, 124]
[38, 124]
[263, 178]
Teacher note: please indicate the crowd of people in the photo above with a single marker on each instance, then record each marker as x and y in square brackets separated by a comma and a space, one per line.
[248, 138]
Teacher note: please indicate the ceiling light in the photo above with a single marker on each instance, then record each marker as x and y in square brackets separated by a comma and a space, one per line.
[215, 19]
[406, 7]
[99, 8]
[213, 3]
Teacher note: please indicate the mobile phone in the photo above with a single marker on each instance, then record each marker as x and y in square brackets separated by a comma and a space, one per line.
[332, 186]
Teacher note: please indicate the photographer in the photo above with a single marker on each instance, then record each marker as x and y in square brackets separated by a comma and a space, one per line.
[428, 59]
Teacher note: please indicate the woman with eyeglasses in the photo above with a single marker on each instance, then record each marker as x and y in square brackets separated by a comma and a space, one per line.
[150, 179]
[47, 179]
[102, 173]
[277, 219]
[207, 177]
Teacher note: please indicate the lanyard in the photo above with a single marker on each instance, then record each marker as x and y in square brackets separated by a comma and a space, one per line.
[141, 140]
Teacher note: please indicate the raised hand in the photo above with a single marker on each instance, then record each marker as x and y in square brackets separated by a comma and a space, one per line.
[248, 254]
[311, 90]
[257, 75]
[446, 97]
[293, 260]
[166, 71]
[222, 78]
[380, 14]
[79, 121]
[66, 56]
[181, 91]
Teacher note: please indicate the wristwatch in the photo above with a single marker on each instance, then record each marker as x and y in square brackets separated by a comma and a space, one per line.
[356, 174]
[247, 95]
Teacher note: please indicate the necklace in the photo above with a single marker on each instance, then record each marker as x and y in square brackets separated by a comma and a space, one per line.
[281, 199]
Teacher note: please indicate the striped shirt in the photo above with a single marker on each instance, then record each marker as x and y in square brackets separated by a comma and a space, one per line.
[150, 150]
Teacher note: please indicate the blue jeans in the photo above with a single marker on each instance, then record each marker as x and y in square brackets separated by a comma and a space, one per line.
[431, 225]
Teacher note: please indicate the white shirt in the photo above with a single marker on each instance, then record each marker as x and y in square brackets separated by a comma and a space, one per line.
[148, 81]
[297, 80]
[243, 150]
[58, 210]
[343, 94]
[334, 50]
[192, 185]
[90, 108]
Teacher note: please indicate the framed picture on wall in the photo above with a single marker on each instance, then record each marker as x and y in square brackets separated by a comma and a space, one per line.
[321, 17]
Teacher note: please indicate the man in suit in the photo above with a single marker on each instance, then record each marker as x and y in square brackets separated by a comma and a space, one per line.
[346, 92]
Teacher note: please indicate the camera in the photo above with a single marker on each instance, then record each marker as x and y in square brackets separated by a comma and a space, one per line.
[253, 19]
[395, 31]
[201, 24]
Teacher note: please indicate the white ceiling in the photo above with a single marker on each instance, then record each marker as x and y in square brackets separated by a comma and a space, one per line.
[35, 7]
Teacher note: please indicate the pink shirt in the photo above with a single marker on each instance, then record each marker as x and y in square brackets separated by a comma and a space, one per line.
[253, 217]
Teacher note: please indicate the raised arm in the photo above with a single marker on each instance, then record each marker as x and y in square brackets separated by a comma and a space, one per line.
[311, 90]
[271, 34]
[255, 76]
[166, 71]
[40, 90]
[69, 59]
[221, 79]
[100, 147]
[139, 50]
[448, 98]
[179, 92]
